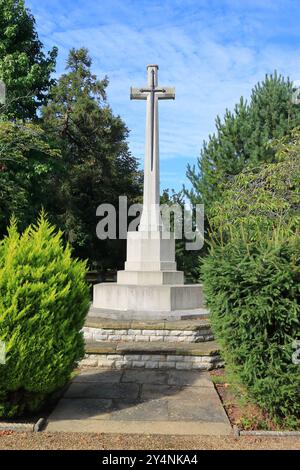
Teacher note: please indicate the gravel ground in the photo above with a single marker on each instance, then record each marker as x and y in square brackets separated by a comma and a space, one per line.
[77, 441]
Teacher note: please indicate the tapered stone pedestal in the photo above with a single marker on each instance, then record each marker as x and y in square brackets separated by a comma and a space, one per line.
[147, 289]
[150, 260]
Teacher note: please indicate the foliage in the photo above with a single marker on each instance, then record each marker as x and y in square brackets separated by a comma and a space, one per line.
[26, 158]
[78, 124]
[96, 165]
[265, 196]
[43, 303]
[24, 68]
[187, 261]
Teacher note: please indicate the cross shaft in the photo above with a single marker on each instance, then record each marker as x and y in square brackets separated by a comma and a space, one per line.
[152, 93]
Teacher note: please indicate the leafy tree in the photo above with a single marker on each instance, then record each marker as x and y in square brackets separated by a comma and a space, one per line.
[242, 137]
[263, 197]
[24, 68]
[96, 165]
[26, 162]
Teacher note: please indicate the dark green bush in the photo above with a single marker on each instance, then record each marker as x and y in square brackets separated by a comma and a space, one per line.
[43, 303]
[253, 291]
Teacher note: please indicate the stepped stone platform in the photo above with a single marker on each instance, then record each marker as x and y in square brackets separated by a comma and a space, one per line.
[183, 341]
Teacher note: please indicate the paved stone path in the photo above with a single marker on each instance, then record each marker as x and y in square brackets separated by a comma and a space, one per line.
[141, 401]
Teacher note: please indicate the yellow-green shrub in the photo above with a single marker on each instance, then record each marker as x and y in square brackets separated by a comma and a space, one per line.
[43, 303]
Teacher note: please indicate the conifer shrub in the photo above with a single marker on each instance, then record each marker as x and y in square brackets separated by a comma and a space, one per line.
[43, 303]
[253, 292]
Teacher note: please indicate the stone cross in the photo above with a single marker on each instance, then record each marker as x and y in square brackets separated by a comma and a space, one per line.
[150, 220]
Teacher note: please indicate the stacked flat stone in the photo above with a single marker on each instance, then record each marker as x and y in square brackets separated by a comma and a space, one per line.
[201, 333]
[151, 361]
[180, 344]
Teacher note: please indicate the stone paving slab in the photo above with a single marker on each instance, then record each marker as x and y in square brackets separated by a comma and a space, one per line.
[152, 391]
[139, 401]
[73, 409]
[102, 390]
[152, 410]
[194, 378]
[206, 410]
[157, 377]
[98, 376]
[202, 394]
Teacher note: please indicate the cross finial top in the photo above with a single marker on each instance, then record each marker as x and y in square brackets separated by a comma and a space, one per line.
[161, 93]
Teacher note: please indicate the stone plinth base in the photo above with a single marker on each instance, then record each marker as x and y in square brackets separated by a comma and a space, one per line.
[143, 299]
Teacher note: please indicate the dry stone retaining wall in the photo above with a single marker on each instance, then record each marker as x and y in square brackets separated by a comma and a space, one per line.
[151, 361]
[187, 336]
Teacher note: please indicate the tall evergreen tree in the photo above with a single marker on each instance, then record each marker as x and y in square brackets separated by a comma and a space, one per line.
[96, 165]
[272, 116]
[24, 68]
[242, 137]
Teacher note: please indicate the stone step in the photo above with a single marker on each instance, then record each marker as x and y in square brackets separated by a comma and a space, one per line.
[188, 331]
[189, 324]
[149, 315]
[152, 355]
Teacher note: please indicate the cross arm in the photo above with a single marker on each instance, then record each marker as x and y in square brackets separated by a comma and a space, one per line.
[168, 94]
[137, 94]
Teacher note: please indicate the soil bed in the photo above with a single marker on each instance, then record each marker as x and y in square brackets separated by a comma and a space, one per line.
[240, 411]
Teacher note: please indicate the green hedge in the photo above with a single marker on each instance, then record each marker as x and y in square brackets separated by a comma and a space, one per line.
[43, 303]
[253, 291]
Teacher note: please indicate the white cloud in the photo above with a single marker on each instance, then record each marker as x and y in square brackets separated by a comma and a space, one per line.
[212, 52]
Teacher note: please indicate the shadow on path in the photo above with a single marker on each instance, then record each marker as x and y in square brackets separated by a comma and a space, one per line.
[108, 400]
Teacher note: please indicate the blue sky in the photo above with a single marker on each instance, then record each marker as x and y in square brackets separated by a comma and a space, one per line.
[211, 51]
